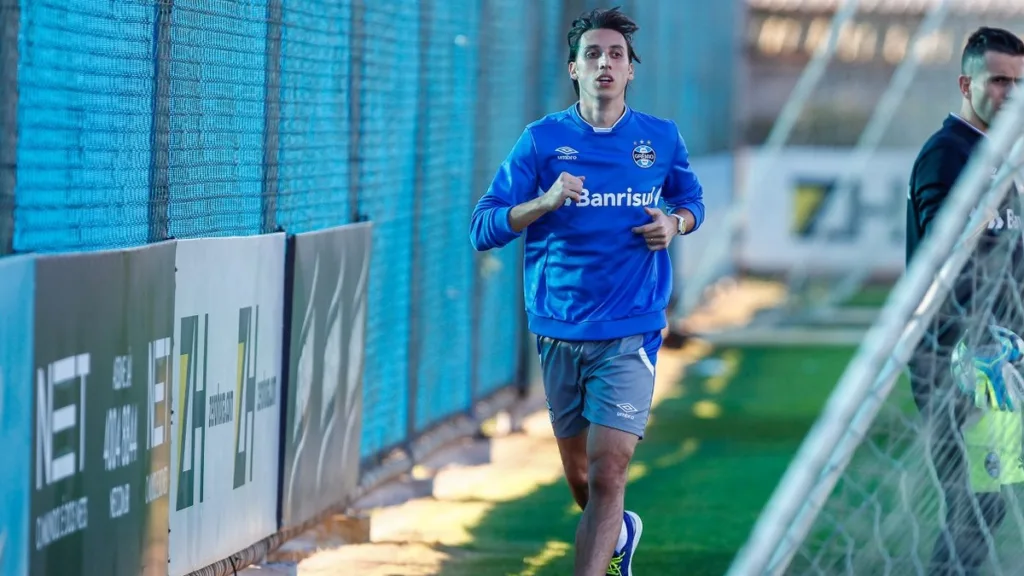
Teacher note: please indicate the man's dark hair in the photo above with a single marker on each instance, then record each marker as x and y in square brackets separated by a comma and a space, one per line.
[987, 39]
[598, 19]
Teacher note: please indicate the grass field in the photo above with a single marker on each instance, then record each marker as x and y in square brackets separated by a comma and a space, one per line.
[715, 449]
[872, 295]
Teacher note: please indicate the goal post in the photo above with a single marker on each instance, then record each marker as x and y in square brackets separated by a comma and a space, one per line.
[869, 379]
[865, 151]
[837, 64]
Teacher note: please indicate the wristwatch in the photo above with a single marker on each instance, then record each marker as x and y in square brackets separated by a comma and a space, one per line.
[681, 228]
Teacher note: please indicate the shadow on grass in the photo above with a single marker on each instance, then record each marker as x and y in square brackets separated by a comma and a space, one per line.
[698, 484]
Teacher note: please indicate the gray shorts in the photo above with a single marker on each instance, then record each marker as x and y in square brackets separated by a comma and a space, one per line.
[608, 382]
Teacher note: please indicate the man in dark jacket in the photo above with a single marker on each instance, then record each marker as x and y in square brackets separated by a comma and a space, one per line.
[986, 294]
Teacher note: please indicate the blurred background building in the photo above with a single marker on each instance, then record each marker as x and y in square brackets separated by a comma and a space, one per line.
[779, 37]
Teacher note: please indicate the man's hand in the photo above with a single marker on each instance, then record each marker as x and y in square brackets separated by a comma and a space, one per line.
[989, 372]
[566, 187]
[659, 233]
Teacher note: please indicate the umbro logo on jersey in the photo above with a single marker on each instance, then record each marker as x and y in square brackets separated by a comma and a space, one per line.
[566, 153]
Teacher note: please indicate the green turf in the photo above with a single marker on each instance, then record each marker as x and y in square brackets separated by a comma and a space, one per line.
[870, 296]
[698, 506]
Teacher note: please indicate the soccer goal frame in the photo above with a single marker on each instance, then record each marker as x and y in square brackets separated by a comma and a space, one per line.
[867, 146]
[869, 377]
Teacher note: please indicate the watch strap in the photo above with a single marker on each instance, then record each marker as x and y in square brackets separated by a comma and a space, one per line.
[681, 226]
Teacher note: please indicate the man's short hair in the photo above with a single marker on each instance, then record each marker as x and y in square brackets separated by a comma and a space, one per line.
[601, 19]
[987, 39]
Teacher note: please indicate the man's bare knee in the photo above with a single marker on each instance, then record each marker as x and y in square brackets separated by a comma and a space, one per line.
[610, 452]
[608, 474]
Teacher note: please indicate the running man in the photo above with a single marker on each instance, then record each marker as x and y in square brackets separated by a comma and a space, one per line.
[585, 185]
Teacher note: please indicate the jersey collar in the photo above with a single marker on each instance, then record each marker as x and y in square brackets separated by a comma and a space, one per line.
[956, 116]
[575, 113]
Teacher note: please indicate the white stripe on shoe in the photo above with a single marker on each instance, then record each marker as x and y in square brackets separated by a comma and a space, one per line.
[638, 529]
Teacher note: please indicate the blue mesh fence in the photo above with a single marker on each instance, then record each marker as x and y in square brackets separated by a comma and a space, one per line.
[85, 93]
[500, 312]
[315, 123]
[215, 171]
[443, 377]
[134, 121]
[386, 161]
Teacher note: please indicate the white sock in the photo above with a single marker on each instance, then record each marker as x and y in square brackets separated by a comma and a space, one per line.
[623, 535]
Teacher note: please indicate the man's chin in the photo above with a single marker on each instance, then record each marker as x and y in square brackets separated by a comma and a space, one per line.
[607, 94]
[990, 115]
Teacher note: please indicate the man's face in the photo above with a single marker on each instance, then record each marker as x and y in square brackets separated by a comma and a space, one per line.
[992, 82]
[602, 65]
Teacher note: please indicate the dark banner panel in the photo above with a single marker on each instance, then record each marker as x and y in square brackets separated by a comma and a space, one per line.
[325, 370]
[17, 279]
[100, 439]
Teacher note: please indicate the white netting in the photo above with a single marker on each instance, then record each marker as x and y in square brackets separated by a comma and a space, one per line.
[887, 483]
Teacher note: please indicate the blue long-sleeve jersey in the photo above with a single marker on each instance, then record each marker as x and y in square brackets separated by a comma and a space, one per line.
[587, 275]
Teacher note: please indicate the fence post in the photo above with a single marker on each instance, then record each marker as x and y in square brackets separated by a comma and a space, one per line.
[10, 16]
[419, 191]
[355, 77]
[533, 110]
[159, 189]
[480, 180]
[271, 116]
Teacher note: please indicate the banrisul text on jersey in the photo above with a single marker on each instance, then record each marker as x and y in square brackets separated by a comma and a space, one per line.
[587, 275]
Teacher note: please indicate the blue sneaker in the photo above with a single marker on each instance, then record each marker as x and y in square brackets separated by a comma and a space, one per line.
[622, 561]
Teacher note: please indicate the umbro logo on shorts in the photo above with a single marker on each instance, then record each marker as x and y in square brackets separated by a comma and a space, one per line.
[626, 410]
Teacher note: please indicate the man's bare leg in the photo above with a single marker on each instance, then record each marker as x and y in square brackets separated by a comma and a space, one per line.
[609, 452]
[574, 462]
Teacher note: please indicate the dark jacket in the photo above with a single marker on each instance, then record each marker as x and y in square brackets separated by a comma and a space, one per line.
[988, 291]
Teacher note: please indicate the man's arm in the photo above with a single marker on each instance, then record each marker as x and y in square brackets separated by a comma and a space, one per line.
[683, 191]
[504, 211]
[935, 174]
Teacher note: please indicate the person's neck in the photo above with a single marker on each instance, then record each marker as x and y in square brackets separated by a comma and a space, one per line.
[968, 114]
[602, 113]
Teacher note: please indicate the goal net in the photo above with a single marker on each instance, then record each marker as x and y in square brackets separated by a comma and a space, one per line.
[886, 483]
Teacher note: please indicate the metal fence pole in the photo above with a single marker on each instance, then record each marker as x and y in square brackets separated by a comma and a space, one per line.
[355, 76]
[159, 188]
[271, 116]
[482, 133]
[533, 110]
[416, 279]
[10, 16]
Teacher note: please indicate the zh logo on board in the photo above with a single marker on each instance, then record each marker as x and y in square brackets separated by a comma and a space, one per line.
[192, 359]
[238, 405]
[259, 395]
[245, 388]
